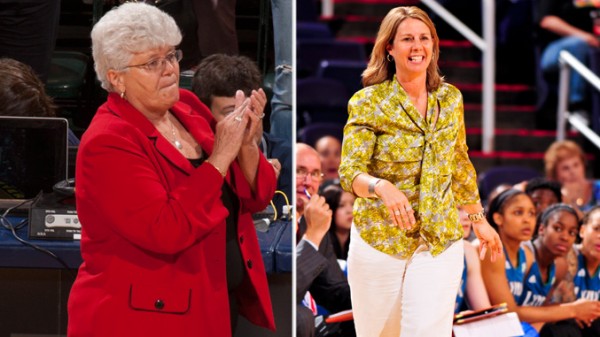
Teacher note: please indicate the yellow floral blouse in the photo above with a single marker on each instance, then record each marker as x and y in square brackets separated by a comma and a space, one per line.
[426, 159]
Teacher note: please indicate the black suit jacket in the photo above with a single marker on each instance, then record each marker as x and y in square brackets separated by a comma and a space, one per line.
[320, 273]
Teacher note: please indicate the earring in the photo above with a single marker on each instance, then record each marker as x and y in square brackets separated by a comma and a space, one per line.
[389, 58]
[122, 94]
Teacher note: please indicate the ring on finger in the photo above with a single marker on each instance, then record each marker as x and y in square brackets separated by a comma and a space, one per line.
[396, 212]
[408, 208]
[238, 118]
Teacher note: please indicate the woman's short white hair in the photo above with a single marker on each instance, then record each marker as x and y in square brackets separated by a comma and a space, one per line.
[133, 27]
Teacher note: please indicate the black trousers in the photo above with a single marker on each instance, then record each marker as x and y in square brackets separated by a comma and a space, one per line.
[305, 322]
[568, 328]
[28, 31]
[216, 30]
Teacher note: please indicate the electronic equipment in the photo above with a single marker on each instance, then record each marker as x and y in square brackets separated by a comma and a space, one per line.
[33, 165]
[33, 157]
[53, 216]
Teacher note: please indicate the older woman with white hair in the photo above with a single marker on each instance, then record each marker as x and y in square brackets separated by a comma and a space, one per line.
[164, 195]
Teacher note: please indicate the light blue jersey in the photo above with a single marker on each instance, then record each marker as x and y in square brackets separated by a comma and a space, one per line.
[516, 274]
[595, 200]
[534, 290]
[586, 286]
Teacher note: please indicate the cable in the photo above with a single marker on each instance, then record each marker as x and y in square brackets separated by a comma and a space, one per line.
[13, 228]
[287, 201]
[274, 210]
[285, 214]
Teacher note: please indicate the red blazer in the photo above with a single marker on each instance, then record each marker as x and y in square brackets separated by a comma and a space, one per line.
[153, 231]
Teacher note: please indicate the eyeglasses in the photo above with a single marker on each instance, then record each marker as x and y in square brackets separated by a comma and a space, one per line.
[302, 173]
[158, 64]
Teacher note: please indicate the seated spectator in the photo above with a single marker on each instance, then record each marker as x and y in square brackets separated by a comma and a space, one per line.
[330, 152]
[513, 230]
[22, 94]
[557, 230]
[543, 193]
[513, 215]
[567, 25]
[319, 278]
[588, 253]
[586, 282]
[340, 202]
[472, 294]
[326, 183]
[565, 163]
[215, 82]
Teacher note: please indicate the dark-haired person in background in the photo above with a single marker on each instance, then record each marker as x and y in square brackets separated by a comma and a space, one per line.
[557, 229]
[341, 204]
[587, 280]
[543, 192]
[22, 93]
[513, 215]
[215, 82]
[330, 151]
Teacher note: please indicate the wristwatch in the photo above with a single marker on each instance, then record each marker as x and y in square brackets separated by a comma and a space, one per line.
[476, 217]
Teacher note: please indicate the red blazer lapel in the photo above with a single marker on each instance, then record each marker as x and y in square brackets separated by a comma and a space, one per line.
[196, 125]
[199, 122]
[127, 112]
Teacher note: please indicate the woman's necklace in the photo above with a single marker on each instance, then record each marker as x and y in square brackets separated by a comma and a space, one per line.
[175, 141]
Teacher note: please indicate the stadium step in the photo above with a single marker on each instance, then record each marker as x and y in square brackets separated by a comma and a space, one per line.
[517, 142]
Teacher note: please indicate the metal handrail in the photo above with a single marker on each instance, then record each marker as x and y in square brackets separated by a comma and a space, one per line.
[567, 61]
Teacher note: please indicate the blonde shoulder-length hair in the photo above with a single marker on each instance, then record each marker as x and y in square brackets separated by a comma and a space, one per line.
[558, 152]
[379, 68]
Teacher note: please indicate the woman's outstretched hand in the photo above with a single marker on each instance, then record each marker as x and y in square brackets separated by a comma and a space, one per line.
[488, 240]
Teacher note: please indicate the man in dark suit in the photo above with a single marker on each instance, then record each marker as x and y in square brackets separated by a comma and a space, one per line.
[317, 270]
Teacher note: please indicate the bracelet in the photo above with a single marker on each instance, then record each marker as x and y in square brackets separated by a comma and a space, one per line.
[372, 184]
[476, 217]
[223, 174]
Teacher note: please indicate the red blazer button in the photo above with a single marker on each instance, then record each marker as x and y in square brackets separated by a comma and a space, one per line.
[159, 304]
[249, 264]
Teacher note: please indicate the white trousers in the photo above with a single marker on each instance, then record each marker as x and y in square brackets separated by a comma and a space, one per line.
[393, 297]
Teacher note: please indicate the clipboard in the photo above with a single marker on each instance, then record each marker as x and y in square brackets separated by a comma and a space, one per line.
[341, 316]
[473, 316]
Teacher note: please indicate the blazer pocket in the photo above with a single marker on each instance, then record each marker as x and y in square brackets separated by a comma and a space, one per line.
[168, 300]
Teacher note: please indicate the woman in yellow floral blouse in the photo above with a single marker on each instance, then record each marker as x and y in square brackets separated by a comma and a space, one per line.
[405, 157]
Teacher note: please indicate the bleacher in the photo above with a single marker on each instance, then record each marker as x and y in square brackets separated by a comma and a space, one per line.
[519, 139]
